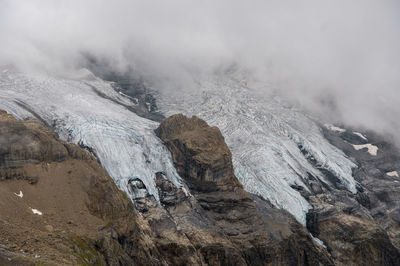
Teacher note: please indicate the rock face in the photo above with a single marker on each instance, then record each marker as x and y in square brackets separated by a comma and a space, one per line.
[204, 161]
[352, 237]
[362, 228]
[222, 220]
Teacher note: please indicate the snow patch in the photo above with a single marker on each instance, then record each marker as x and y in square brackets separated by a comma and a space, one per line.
[35, 211]
[148, 107]
[372, 149]
[334, 128]
[318, 241]
[393, 173]
[20, 194]
[185, 191]
[360, 135]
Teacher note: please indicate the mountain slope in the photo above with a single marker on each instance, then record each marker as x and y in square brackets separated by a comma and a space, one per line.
[339, 185]
[59, 206]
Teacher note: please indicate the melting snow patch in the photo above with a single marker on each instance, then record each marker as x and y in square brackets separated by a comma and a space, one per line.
[185, 191]
[333, 128]
[35, 211]
[393, 173]
[372, 149]
[148, 107]
[360, 135]
[20, 194]
[319, 241]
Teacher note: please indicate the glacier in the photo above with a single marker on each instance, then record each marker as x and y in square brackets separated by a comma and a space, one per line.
[266, 137]
[124, 143]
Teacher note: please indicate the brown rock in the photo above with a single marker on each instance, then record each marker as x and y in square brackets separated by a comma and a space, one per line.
[49, 228]
[352, 239]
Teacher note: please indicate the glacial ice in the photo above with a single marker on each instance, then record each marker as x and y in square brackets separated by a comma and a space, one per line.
[265, 138]
[124, 142]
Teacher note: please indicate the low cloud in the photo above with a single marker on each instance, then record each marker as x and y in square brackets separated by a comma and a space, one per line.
[339, 59]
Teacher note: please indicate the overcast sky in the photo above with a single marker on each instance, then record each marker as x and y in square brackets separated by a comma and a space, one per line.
[346, 51]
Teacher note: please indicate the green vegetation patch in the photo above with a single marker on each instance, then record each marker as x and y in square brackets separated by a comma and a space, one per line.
[85, 251]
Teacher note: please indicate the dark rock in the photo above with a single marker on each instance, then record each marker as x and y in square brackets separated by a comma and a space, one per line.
[378, 193]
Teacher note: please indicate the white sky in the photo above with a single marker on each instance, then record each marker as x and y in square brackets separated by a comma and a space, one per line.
[324, 54]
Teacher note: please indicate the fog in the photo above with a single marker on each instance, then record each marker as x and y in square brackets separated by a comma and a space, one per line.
[339, 59]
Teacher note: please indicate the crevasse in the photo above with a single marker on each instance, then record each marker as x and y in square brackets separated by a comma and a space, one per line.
[264, 137]
[124, 142]
[263, 134]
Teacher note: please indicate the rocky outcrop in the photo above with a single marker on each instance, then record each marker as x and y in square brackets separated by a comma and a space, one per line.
[203, 159]
[351, 235]
[361, 228]
[378, 176]
[220, 219]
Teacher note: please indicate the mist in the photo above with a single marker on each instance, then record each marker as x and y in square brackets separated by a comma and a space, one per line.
[339, 59]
